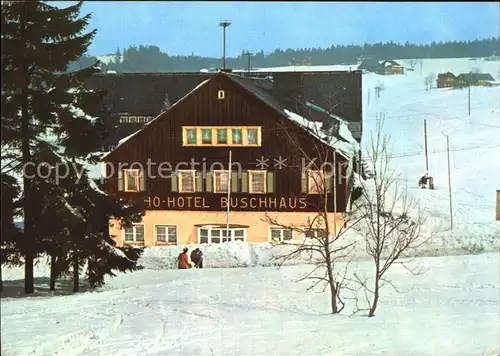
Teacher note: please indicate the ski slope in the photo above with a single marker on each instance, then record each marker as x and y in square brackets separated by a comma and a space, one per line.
[452, 309]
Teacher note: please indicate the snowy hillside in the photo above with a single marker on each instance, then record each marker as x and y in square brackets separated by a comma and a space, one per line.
[450, 310]
[474, 143]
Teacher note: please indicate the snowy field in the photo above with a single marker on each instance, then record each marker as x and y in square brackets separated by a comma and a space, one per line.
[452, 309]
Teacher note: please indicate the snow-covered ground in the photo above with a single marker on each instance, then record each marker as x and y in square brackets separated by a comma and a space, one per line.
[452, 309]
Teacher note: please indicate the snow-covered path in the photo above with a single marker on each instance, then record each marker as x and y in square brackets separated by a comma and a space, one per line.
[452, 309]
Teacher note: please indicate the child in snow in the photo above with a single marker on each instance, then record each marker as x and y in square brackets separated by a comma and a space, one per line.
[197, 258]
[182, 259]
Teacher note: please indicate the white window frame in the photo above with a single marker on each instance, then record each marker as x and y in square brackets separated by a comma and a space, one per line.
[214, 177]
[112, 147]
[166, 241]
[311, 180]
[281, 238]
[250, 181]
[179, 176]
[221, 236]
[126, 180]
[134, 231]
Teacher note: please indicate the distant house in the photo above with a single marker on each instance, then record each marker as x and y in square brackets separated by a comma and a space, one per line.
[387, 67]
[474, 79]
[391, 67]
[446, 80]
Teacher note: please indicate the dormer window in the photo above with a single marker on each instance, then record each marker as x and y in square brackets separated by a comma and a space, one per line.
[222, 136]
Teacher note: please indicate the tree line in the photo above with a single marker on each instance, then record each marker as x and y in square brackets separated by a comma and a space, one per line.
[149, 58]
[48, 143]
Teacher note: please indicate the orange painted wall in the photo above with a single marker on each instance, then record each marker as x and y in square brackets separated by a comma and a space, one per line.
[258, 231]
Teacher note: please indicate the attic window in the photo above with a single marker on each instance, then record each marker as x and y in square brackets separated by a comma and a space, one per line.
[221, 94]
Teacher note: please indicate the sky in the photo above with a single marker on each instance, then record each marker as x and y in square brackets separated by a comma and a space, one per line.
[183, 28]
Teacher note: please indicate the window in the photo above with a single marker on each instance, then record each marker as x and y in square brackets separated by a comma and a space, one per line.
[186, 181]
[314, 233]
[221, 94]
[221, 181]
[221, 136]
[206, 136]
[111, 147]
[132, 180]
[257, 182]
[316, 182]
[237, 136]
[280, 234]
[191, 137]
[253, 136]
[166, 233]
[134, 233]
[219, 234]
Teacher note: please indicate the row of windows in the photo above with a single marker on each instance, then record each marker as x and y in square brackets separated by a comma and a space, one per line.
[253, 182]
[167, 234]
[221, 136]
[135, 119]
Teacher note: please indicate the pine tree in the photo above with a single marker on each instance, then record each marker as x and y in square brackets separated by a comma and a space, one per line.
[42, 121]
[118, 56]
[38, 41]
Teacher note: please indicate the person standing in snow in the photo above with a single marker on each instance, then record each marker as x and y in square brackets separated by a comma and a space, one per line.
[197, 258]
[422, 183]
[182, 259]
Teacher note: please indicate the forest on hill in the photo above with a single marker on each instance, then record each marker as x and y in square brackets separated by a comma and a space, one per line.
[149, 58]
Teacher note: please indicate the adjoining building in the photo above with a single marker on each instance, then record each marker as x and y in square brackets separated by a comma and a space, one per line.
[188, 184]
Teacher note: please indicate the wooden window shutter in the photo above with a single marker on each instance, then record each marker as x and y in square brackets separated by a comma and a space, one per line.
[174, 182]
[199, 181]
[270, 182]
[208, 182]
[234, 182]
[120, 181]
[304, 181]
[244, 182]
[328, 181]
[142, 181]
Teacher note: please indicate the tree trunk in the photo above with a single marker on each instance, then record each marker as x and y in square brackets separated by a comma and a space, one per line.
[53, 272]
[26, 158]
[76, 275]
[376, 294]
[331, 283]
[333, 296]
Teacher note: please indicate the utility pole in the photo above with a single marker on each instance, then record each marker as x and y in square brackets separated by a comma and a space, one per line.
[449, 181]
[425, 147]
[248, 54]
[224, 24]
[469, 100]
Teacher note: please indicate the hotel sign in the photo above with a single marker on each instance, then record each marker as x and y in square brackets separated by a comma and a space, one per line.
[243, 203]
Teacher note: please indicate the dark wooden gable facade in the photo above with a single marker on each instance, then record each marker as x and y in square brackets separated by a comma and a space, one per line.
[144, 93]
[161, 142]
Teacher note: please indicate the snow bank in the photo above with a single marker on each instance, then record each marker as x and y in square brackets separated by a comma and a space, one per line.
[243, 254]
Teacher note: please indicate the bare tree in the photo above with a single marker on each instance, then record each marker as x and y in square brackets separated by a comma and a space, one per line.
[324, 231]
[391, 220]
[429, 82]
[411, 63]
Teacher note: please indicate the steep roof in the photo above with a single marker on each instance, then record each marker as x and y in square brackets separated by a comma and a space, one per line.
[339, 143]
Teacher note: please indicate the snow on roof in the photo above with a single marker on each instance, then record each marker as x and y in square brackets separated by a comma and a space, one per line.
[157, 117]
[79, 112]
[346, 149]
[125, 139]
